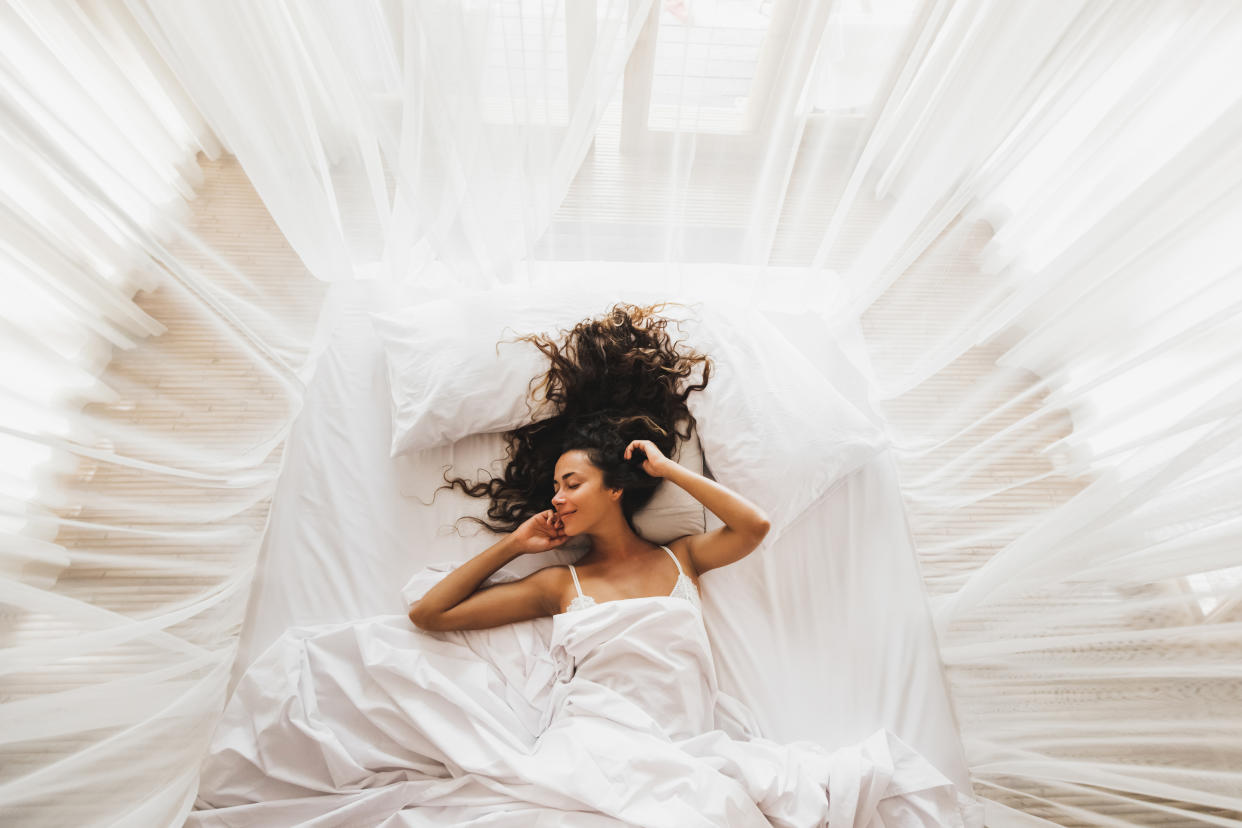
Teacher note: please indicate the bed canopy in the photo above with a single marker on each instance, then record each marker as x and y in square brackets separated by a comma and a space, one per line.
[1028, 212]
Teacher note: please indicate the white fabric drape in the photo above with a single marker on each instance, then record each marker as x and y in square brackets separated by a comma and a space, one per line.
[129, 517]
[1031, 208]
[69, 255]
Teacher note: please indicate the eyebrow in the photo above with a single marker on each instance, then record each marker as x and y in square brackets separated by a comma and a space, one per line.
[563, 476]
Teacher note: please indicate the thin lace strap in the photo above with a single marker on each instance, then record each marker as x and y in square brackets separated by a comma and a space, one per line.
[674, 557]
[577, 585]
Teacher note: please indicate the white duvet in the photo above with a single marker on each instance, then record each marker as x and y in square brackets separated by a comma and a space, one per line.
[609, 715]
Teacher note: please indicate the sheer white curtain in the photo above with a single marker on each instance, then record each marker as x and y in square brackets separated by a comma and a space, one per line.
[129, 512]
[1029, 208]
[72, 126]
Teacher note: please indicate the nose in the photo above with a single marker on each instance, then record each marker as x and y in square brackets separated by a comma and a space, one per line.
[557, 500]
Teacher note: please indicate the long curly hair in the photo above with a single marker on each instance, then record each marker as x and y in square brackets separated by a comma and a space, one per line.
[612, 379]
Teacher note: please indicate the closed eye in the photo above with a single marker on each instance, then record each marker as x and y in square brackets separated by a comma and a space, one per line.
[556, 485]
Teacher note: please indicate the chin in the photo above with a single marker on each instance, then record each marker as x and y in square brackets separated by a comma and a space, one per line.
[572, 532]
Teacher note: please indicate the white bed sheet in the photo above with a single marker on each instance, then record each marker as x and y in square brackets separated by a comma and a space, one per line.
[827, 636]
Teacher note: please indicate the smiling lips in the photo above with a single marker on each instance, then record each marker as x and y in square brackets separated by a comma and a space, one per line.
[567, 514]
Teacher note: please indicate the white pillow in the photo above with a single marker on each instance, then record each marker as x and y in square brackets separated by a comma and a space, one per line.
[450, 372]
[771, 426]
[673, 512]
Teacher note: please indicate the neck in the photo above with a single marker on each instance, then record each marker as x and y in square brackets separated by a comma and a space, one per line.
[614, 540]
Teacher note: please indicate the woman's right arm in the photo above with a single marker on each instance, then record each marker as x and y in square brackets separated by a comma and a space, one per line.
[457, 603]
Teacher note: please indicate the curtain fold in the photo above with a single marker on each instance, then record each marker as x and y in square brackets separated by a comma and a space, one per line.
[1031, 211]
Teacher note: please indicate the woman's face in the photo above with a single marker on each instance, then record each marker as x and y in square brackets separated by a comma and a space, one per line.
[581, 499]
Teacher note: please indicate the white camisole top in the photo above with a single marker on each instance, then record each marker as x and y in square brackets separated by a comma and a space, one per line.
[684, 588]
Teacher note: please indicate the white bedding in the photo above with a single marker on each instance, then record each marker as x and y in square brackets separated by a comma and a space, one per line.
[826, 637]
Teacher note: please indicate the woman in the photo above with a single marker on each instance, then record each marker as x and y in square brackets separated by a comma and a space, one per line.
[588, 487]
[636, 727]
[620, 385]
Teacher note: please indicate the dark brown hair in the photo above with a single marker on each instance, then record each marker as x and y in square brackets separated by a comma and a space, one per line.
[612, 379]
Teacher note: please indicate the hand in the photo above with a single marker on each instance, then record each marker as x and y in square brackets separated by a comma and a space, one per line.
[539, 533]
[656, 464]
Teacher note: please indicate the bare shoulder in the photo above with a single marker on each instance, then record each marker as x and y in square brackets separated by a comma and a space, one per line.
[555, 584]
[715, 548]
[552, 582]
[681, 548]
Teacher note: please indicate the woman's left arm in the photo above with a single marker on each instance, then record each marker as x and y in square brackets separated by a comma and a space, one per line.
[745, 524]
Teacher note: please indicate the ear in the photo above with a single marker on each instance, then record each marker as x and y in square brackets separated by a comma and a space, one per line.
[615, 494]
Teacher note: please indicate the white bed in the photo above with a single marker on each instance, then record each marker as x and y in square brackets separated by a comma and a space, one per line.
[826, 636]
